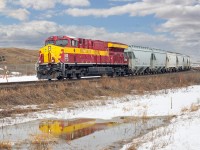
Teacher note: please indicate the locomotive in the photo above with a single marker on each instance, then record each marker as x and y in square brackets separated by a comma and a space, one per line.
[69, 57]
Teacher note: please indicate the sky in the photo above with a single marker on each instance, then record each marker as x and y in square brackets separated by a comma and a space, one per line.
[172, 25]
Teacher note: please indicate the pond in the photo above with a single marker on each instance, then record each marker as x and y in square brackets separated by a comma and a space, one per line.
[80, 133]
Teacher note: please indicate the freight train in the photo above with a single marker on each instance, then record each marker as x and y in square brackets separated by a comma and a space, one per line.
[69, 57]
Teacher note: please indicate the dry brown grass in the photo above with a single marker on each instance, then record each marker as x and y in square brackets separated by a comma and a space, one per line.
[42, 142]
[9, 112]
[5, 145]
[20, 61]
[64, 94]
[193, 107]
[144, 116]
[184, 109]
[19, 56]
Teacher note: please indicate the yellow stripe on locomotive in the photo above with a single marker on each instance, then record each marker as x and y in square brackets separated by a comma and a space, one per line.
[52, 52]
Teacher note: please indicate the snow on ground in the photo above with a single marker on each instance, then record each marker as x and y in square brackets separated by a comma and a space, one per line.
[26, 78]
[182, 133]
[18, 78]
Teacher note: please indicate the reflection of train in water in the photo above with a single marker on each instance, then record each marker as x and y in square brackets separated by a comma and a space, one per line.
[68, 57]
[70, 130]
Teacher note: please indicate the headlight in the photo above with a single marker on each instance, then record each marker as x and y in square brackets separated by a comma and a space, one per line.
[49, 48]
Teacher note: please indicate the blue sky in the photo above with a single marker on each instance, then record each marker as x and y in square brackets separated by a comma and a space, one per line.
[166, 24]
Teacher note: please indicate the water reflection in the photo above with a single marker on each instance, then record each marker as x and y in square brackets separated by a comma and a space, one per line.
[78, 133]
[74, 129]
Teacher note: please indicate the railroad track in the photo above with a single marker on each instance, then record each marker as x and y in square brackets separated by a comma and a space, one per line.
[16, 85]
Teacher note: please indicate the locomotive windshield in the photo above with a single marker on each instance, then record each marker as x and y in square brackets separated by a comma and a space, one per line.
[62, 42]
[57, 42]
[49, 42]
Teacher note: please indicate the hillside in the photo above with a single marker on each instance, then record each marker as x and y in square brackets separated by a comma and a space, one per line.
[19, 56]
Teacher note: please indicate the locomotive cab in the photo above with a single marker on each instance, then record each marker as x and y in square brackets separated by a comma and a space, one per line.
[53, 51]
[63, 41]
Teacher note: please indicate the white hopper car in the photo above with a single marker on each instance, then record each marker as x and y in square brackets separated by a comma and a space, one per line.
[144, 60]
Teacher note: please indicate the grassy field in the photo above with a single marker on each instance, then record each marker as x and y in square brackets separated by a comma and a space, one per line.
[63, 95]
[18, 56]
[20, 61]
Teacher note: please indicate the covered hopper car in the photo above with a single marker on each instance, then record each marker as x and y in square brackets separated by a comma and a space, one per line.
[145, 60]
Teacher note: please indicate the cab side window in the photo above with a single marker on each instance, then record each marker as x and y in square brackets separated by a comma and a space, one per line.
[74, 43]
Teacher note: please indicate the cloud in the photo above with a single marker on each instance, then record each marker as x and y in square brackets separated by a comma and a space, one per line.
[20, 14]
[75, 3]
[117, 10]
[32, 34]
[8, 7]
[48, 14]
[122, 0]
[48, 4]
[37, 4]
[2, 5]
[143, 8]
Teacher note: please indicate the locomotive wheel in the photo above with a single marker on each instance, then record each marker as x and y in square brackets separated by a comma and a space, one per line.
[114, 75]
[78, 76]
[60, 78]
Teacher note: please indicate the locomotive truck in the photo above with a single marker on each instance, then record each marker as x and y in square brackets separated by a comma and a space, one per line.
[69, 57]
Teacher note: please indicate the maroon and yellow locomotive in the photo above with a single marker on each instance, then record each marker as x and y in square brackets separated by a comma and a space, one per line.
[68, 57]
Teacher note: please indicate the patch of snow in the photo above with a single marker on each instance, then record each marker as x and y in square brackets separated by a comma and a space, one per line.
[19, 78]
[16, 73]
[26, 107]
[181, 134]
